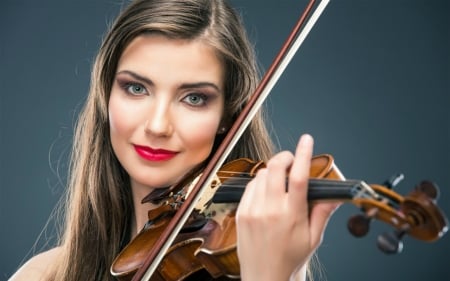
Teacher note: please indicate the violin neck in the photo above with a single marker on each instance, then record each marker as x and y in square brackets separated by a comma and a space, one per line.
[318, 189]
[321, 189]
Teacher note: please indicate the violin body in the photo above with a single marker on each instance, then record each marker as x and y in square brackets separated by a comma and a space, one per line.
[212, 247]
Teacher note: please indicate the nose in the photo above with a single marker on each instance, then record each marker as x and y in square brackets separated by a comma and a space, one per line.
[159, 121]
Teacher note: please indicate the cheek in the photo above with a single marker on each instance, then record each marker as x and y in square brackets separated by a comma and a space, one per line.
[198, 134]
[116, 117]
[122, 121]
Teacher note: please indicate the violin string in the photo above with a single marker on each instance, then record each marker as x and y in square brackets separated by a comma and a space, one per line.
[241, 182]
[250, 176]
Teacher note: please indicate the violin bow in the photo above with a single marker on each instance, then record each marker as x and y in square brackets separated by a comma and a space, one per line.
[295, 39]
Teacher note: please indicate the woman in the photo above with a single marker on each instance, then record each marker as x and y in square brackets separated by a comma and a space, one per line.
[168, 82]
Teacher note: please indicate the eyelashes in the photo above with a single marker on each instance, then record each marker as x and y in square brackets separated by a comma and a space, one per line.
[132, 88]
[193, 99]
[196, 99]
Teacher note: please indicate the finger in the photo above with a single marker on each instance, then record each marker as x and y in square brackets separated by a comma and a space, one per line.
[277, 168]
[299, 174]
[242, 207]
[253, 194]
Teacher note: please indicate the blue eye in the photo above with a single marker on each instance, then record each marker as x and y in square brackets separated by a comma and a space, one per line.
[135, 89]
[196, 99]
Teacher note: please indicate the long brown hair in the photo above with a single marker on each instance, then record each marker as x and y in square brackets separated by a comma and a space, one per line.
[98, 204]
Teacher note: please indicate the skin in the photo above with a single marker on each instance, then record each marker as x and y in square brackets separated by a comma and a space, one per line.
[167, 94]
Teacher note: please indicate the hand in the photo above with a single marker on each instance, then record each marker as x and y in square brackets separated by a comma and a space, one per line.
[277, 230]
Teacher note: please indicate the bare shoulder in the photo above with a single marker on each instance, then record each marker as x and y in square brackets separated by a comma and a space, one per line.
[37, 267]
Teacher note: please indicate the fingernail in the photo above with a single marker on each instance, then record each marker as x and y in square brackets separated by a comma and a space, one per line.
[306, 139]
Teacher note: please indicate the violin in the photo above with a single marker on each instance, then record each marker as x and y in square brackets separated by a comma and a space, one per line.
[208, 240]
[194, 228]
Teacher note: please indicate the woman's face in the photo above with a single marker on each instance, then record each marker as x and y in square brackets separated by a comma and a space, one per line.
[165, 108]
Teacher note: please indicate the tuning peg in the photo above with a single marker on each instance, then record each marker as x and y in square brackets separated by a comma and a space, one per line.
[390, 243]
[394, 180]
[429, 189]
[359, 225]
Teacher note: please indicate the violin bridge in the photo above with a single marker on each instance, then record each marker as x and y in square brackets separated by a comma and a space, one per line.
[205, 201]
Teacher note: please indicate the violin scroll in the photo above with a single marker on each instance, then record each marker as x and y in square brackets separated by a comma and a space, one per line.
[416, 214]
[359, 225]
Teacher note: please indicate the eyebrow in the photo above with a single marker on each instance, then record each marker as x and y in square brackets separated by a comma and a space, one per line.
[183, 86]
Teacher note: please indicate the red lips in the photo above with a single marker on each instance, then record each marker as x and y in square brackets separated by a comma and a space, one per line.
[151, 154]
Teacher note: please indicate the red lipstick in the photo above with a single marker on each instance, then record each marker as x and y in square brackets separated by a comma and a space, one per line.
[151, 154]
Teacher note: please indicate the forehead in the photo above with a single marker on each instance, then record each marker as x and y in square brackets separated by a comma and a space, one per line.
[183, 59]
